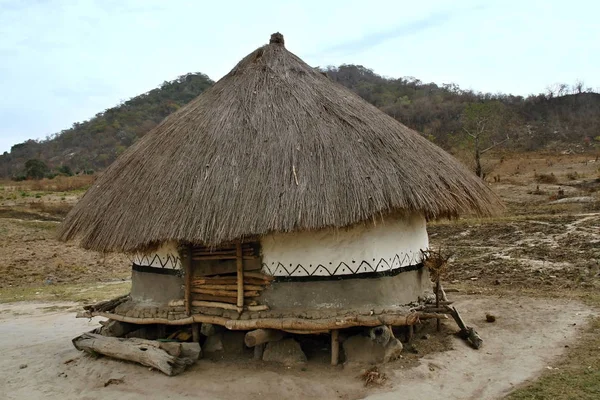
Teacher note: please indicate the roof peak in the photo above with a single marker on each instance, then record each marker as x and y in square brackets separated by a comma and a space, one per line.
[277, 38]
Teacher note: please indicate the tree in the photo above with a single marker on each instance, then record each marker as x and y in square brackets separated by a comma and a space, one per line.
[482, 123]
[36, 169]
[65, 170]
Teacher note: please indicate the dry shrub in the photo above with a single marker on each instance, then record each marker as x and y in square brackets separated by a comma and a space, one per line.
[373, 377]
[59, 209]
[546, 178]
[572, 175]
[436, 262]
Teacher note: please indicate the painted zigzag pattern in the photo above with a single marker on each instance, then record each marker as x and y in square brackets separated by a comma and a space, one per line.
[154, 260]
[342, 268]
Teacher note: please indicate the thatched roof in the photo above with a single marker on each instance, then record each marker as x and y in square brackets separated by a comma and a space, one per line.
[273, 146]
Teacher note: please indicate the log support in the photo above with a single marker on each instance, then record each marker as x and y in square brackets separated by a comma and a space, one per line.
[169, 358]
[466, 332]
[196, 332]
[258, 352]
[189, 276]
[335, 347]
[240, 277]
[262, 336]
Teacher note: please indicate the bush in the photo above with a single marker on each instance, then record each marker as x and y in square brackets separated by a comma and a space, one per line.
[546, 178]
[36, 169]
[65, 170]
[572, 176]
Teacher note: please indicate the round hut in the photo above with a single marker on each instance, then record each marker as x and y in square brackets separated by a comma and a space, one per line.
[275, 199]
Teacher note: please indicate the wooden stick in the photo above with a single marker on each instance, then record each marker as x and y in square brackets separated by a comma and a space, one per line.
[324, 324]
[444, 310]
[293, 325]
[258, 352]
[189, 276]
[221, 299]
[261, 336]
[214, 304]
[230, 281]
[437, 300]
[240, 276]
[307, 332]
[226, 293]
[224, 257]
[196, 333]
[259, 275]
[228, 287]
[245, 250]
[169, 358]
[209, 319]
[260, 307]
[335, 347]
[467, 332]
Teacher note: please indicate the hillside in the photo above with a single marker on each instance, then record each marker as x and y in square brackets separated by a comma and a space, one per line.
[569, 121]
[94, 144]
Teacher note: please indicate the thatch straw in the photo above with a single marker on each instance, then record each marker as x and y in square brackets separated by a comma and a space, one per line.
[272, 146]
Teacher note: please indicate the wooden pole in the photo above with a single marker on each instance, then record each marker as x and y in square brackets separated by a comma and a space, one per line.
[335, 346]
[227, 287]
[261, 336]
[169, 358]
[189, 277]
[196, 333]
[240, 277]
[437, 300]
[258, 351]
[225, 293]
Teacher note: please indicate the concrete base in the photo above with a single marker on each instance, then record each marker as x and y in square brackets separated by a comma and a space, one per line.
[387, 291]
[156, 288]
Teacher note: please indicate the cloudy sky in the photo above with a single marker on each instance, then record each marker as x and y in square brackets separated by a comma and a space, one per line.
[64, 61]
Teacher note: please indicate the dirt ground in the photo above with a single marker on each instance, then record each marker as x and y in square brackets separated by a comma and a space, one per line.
[39, 361]
[536, 267]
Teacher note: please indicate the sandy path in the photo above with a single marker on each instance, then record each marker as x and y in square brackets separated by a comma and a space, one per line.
[528, 336]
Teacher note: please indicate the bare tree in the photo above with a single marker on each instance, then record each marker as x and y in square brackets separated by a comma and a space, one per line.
[481, 124]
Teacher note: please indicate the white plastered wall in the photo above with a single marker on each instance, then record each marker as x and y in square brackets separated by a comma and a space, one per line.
[166, 256]
[386, 245]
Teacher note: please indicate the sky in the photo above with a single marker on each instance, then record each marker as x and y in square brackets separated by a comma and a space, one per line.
[64, 61]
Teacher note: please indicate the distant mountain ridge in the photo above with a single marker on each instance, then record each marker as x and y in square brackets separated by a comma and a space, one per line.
[554, 119]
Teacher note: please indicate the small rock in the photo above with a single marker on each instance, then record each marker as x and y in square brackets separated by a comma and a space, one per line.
[22, 366]
[426, 336]
[380, 334]
[361, 349]
[286, 351]
[490, 318]
[213, 344]
[210, 329]
[392, 350]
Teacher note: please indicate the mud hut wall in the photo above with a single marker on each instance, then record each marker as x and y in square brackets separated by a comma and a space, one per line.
[377, 246]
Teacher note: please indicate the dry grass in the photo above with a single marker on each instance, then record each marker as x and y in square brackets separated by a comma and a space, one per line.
[546, 178]
[85, 292]
[577, 376]
[58, 184]
[58, 209]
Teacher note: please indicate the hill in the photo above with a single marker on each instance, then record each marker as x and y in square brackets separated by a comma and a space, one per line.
[567, 118]
[94, 144]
